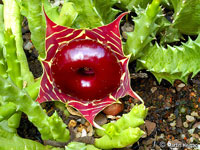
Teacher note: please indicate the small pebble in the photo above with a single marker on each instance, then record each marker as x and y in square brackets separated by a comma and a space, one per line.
[173, 124]
[190, 118]
[78, 134]
[113, 121]
[173, 128]
[160, 97]
[173, 91]
[196, 125]
[182, 110]
[181, 85]
[84, 133]
[101, 119]
[83, 121]
[114, 109]
[28, 45]
[87, 124]
[185, 124]
[191, 139]
[171, 117]
[117, 117]
[157, 147]
[110, 117]
[179, 122]
[89, 128]
[194, 114]
[72, 123]
[90, 134]
[80, 128]
[153, 89]
[161, 136]
[191, 131]
[79, 120]
[182, 136]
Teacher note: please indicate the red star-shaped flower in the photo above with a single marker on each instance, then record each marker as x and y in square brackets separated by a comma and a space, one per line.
[85, 68]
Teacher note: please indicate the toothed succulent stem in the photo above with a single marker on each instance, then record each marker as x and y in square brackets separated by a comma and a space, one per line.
[13, 71]
[12, 20]
[186, 16]
[51, 128]
[32, 10]
[14, 120]
[12, 141]
[1, 26]
[170, 63]
[144, 27]
[7, 110]
[125, 138]
[33, 89]
[133, 119]
[13, 65]
[62, 107]
[2, 60]
[67, 15]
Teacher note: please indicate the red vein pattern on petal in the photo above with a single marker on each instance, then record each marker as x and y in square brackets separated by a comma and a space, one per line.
[56, 37]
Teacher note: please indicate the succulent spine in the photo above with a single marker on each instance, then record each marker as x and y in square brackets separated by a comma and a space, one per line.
[12, 20]
[46, 125]
[144, 27]
[2, 60]
[172, 63]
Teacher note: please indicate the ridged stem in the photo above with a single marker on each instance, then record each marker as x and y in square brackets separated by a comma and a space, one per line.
[133, 119]
[144, 27]
[51, 128]
[67, 15]
[12, 141]
[2, 60]
[13, 65]
[32, 10]
[33, 89]
[12, 20]
[7, 110]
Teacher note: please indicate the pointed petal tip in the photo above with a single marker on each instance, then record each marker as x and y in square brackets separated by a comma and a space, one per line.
[48, 20]
[97, 126]
[135, 95]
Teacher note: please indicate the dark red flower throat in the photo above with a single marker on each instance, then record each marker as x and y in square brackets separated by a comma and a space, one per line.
[86, 69]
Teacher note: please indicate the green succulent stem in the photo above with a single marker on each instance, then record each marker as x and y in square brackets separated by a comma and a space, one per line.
[13, 71]
[170, 63]
[12, 141]
[186, 16]
[12, 20]
[143, 29]
[13, 64]
[33, 89]
[67, 15]
[80, 146]
[14, 120]
[7, 110]
[2, 60]
[62, 107]
[32, 10]
[125, 138]
[133, 119]
[51, 128]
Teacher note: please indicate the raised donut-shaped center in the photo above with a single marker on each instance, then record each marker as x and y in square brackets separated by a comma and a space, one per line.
[86, 70]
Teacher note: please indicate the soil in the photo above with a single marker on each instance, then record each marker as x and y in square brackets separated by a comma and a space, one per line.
[174, 110]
